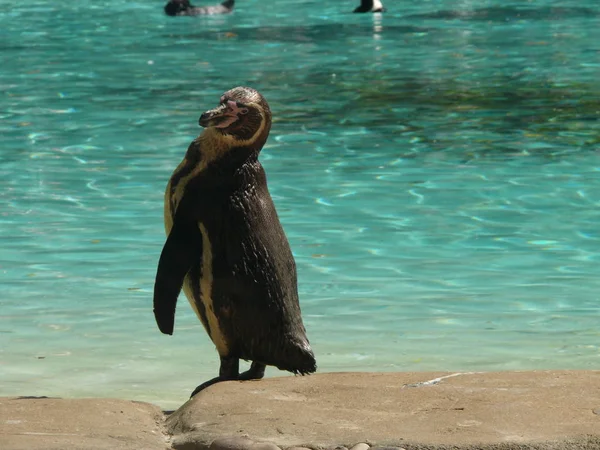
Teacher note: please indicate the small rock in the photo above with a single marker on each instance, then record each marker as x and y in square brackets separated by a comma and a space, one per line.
[386, 448]
[197, 426]
[596, 411]
[264, 446]
[469, 423]
[189, 441]
[232, 443]
[362, 446]
[298, 448]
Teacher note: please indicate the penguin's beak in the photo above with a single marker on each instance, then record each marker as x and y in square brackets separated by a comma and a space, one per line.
[212, 117]
[220, 117]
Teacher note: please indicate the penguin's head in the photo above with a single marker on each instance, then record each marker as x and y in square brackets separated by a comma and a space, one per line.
[176, 7]
[243, 117]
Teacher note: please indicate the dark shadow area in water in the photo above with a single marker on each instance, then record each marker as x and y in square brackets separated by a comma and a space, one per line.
[503, 116]
[439, 111]
[306, 34]
[387, 89]
[508, 13]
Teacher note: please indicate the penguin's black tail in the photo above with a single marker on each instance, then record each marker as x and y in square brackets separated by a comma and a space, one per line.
[288, 352]
[297, 358]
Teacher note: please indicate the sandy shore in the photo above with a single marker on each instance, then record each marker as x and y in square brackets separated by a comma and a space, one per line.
[507, 410]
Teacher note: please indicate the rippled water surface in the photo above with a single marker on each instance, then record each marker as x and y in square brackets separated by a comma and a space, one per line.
[436, 168]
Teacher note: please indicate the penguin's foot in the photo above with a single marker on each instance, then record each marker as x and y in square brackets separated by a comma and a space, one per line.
[255, 372]
[206, 384]
[230, 370]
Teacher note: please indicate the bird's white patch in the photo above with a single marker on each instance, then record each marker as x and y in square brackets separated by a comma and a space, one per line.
[377, 5]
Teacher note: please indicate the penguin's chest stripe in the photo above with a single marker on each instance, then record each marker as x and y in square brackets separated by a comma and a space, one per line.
[213, 145]
[206, 285]
[176, 192]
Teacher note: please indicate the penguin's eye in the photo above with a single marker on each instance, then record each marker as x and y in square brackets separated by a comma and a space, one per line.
[241, 108]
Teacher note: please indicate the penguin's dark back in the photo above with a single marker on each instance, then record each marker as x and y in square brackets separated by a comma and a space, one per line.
[254, 277]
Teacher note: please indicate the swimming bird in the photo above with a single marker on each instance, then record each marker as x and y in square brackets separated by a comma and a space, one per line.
[185, 8]
[370, 6]
[226, 247]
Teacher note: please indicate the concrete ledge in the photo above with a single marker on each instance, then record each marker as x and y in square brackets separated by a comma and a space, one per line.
[367, 411]
[29, 423]
[509, 410]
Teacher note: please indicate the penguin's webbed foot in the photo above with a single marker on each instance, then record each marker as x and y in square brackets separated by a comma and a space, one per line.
[206, 384]
[230, 368]
[255, 372]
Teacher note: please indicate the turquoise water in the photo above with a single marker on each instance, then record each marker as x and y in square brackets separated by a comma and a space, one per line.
[436, 168]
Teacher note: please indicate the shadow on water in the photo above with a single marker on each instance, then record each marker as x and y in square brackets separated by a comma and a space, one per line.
[396, 105]
[554, 119]
[500, 93]
[305, 34]
[507, 13]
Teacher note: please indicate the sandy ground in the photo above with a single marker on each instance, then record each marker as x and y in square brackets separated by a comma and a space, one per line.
[507, 410]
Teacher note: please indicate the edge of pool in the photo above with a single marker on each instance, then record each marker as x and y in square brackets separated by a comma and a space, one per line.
[404, 410]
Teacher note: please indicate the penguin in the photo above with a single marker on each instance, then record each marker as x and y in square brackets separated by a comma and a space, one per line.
[185, 8]
[227, 249]
[370, 6]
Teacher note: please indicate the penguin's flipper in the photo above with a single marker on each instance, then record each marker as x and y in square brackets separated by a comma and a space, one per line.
[183, 245]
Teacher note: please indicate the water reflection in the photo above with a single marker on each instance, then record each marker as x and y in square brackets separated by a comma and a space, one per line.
[377, 26]
[309, 33]
[508, 13]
